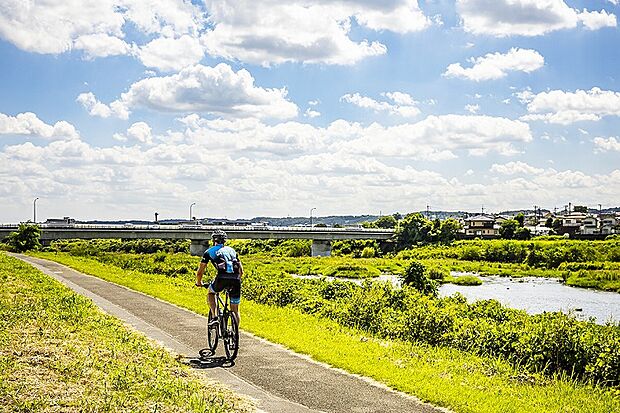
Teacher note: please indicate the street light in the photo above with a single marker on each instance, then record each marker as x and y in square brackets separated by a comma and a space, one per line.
[190, 210]
[311, 209]
[34, 208]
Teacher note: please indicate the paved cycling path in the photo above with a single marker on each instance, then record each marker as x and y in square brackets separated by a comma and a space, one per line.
[277, 379]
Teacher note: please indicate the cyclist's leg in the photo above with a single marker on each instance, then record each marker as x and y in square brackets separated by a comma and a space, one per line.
[214, 288]
[235, 296]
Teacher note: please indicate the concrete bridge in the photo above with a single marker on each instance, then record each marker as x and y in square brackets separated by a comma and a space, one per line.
[200, 236]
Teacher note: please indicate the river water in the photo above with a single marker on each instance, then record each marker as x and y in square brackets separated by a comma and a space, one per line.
[532, 294]
[536, 295]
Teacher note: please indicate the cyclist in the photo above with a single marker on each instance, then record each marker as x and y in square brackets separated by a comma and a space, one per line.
[228, 273]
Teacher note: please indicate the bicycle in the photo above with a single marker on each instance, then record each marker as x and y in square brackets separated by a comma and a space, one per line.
[226, 328]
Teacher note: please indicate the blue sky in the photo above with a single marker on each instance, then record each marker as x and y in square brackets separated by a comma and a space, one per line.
[117, 109]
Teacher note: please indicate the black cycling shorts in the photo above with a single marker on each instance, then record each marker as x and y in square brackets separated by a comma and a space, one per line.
[232, 284]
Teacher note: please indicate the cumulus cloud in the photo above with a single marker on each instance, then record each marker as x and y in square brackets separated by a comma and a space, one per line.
[268, 32]
[170, 54]
[564, 108]
[29, 124]
[311, 113]
[214, 90]
[96, 108]
[438, 137]
[497, 65]
[513, 168]
[95, 26]
[503, 18]
[277, 167]
[139, 131]
[404, 104]
[595, 20]
[611, 144]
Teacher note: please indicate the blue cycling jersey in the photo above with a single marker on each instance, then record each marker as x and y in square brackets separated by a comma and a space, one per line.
[224, 259]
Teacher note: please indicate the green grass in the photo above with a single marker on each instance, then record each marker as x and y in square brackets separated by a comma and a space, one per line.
[58, 352]
[463, 280]
[446, 377]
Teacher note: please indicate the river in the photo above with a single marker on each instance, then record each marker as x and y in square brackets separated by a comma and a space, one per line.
[532, 294]
[537, 295]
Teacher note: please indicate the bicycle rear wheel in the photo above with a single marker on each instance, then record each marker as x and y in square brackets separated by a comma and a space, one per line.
[231, 336]
[212, 335]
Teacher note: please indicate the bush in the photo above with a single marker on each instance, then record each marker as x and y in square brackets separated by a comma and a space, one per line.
[26, 238]
[368, 252]
[415, 276]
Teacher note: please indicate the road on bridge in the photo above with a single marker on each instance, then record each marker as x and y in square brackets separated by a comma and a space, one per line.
[276, 378]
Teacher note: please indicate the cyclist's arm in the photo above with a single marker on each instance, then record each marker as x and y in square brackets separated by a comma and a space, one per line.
[200, 273]
[240, 270]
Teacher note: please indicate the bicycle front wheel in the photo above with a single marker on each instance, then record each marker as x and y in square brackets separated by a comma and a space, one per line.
[212, 335]
[231, 336]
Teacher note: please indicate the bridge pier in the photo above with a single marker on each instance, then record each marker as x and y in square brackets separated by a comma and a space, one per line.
[321, 248]
[198, 247]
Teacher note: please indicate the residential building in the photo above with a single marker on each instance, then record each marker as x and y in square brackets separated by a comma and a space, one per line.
[481, 226]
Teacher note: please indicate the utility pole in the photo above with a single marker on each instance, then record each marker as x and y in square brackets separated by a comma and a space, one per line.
[482, 209]
[600, 218]
[311, 209]
[157, 214]
[428, 212]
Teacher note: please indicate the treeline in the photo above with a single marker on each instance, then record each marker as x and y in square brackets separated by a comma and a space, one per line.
[133, 246]
[542, 254]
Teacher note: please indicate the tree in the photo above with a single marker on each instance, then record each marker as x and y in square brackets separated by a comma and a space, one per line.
[581, 208]
[557, 224]
[386, 221]
[549, 222]
[448, 230]
[26, 238]
[522, 233]
[520, 218]
[413, 229]
[508, 228]
[415, 276]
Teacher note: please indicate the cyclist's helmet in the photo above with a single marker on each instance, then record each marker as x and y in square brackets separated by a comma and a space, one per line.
[219, 236]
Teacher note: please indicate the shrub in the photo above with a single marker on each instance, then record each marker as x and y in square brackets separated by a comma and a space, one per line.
[415, 276]
[368, 252]
[26, 238]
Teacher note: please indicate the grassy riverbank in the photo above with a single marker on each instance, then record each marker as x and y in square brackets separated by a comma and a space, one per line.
[460, 380]
[58, 352]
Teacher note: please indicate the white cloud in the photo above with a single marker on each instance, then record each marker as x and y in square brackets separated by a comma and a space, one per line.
[139, 131]
[496, 65]
[312, 113]
[406, 109]
[436, 137]
[101, 45]
[472, 108]
[29, 124]
[267, 32]
[611, 144]
[564, 108]
[518, 167]
[169, 54]
[215, 90]
[95, 26]
[96, 108]
[503, 18]
[277, 168]
[595, 20]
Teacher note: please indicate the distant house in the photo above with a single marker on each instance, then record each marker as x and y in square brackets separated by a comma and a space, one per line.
[571, 223]
[590, 225]
[610, 224]
[481, 226]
